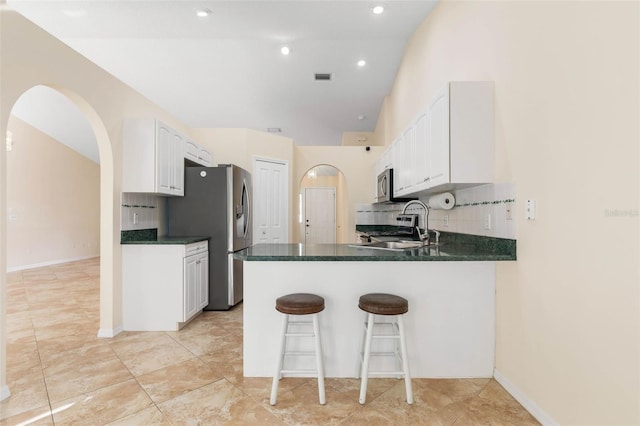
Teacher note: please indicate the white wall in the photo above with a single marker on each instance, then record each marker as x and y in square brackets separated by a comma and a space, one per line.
[30, 57]
[567, 132]
[53, 201]
[356, 165]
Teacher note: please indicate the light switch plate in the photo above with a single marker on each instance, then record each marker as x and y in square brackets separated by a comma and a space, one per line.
[530, 210]
[487, 221]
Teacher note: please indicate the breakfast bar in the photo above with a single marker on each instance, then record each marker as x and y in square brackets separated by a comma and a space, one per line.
[450, 325]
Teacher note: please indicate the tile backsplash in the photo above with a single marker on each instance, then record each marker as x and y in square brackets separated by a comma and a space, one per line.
[140, 211]
[491, 205]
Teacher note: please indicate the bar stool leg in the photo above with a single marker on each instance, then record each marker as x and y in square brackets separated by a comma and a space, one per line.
[405, 361]
[365, 361]
[276, 376]
[319, 363]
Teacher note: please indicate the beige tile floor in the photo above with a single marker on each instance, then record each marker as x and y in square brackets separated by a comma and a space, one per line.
[59, 372]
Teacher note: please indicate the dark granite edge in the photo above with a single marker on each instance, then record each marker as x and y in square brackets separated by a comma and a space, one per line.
[137, 235]
[150, 236]
[497, 246]
[372, 258]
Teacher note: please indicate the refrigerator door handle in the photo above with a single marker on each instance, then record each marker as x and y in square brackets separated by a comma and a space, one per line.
[245, 208]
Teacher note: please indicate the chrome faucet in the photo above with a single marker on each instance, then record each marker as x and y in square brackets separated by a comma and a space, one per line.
[425, 219]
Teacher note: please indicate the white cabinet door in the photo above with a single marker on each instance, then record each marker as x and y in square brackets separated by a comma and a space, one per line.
[205, 157]
[407, 174]
[202, 291]
[421, 175]
[438, 138]
[196, 284]
[169, 161]
[197, 153]
[164, 159]
[398, 164]
[190, 288]
[177, 164]
[153, 158]
[191, 150]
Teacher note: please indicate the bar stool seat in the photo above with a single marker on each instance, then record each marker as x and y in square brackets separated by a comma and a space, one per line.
[299, 304]
[388, 305]
[383, 304]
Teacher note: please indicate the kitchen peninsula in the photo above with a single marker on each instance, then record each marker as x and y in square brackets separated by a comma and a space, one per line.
[450, 288]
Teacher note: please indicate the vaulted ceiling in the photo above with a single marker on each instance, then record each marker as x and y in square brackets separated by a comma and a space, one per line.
[226, 69]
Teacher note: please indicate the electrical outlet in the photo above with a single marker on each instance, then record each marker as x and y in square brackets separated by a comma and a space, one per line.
[135, 218]
[487, 221]
[446, 220]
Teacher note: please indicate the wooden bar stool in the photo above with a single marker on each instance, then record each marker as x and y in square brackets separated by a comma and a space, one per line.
[299, 304]
[390, 305]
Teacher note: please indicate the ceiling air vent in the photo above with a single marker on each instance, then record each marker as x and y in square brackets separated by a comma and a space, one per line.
[323, 76]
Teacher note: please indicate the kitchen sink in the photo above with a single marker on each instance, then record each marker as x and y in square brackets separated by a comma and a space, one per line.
[394, 245]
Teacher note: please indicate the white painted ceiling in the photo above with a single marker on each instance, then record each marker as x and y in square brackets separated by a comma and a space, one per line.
[54, 114]
[226, 70]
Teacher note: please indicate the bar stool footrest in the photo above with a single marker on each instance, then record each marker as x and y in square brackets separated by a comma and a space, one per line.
[300, 353]
[314, 372]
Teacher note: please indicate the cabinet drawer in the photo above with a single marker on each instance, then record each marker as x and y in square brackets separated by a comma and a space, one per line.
[196, 248]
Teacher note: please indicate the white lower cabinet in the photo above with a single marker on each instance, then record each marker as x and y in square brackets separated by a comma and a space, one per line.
[163, 285]
[196, 289]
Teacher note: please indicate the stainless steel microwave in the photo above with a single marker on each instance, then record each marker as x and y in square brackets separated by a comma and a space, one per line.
[385, 188]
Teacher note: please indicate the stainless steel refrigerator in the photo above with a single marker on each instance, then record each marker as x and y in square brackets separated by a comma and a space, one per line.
[216, 204]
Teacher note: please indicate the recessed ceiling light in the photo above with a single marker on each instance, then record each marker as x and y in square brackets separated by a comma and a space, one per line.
[377, 9]
[203, 13]
[285, 50]
[362, 117]
[362, 63]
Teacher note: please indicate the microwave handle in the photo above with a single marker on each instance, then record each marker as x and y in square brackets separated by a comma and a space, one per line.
[383, 186]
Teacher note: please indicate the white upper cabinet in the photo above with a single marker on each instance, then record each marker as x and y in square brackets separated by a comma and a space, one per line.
[461, 128]
[438, 140]
[153, 157]
[449, 144]
[197, 153]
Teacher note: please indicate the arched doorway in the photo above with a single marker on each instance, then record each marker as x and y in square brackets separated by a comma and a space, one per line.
[106, 210]
[323, 204]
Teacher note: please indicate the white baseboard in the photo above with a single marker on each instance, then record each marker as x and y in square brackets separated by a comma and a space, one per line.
[523, 399]
[109, 332]
[50, 262]
[4, 393]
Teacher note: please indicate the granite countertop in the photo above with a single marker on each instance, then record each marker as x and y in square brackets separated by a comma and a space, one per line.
[150, 236]
[453, 247]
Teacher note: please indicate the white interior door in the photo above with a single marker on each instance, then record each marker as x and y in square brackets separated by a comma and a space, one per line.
[319, 215]
[270, 201]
